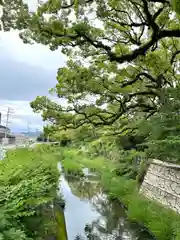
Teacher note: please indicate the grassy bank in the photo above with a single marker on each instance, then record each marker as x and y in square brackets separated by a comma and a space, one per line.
[28, 182]
[163, 223]
[73, 161]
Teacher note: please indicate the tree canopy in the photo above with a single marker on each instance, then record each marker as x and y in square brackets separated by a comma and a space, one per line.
[122, 56]
[14, 15]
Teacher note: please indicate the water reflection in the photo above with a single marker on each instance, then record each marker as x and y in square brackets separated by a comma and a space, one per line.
[113, 223]
[84, 188]
[78, 211]
[90, 215]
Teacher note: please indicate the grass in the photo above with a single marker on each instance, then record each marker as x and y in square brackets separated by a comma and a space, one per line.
[160, 221]
[74, 161]
[69, 162]
[96, 164]
[163, 223]
[22, 163]
[71, 167]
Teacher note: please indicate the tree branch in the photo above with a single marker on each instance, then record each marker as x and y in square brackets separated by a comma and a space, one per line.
[147, 20]
[72, 3]
[169, 33]
[137, 78]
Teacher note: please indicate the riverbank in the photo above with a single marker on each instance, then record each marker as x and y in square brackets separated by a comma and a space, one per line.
[28, 185]
[90, 214]
[163, 223]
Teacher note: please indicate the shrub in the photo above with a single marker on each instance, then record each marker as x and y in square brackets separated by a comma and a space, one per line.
[28, 181]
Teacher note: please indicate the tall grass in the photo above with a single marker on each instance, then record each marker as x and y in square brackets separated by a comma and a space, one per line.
[163, 223]
[69, 162]
[74, 161]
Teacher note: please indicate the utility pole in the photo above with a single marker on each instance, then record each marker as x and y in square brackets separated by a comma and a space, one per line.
[9, 112]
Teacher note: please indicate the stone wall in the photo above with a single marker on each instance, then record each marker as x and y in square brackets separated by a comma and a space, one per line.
[162, 183]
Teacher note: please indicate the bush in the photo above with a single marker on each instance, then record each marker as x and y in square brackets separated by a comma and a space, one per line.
[28, 181]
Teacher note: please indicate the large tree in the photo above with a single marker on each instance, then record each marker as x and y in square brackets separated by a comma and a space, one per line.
[13, 15]
[122, 56]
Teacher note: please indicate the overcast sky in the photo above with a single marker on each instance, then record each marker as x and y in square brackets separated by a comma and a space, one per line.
[26, 72]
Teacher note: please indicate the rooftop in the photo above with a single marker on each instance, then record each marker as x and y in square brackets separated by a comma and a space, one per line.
[1, 126]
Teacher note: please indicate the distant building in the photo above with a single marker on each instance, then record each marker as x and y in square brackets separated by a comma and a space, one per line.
[6, 136]
[21, 139]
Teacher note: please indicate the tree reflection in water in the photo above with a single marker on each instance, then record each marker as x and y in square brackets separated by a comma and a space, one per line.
[112, 223]
[83, 187]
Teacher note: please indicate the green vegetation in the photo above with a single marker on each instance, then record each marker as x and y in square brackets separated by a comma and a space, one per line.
[122, 86]
[161, 222]
[61, 231]
[69, 163]
[176, 6]
[71, 167]
[73, 161]
[41, 138]
[106, 97]
[28, 181]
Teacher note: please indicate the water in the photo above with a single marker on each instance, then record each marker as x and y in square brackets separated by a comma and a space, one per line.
[90, 215]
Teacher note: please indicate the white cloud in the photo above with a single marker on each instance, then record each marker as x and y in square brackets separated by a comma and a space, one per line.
[21, 115]
[35, 54]
[13, 49]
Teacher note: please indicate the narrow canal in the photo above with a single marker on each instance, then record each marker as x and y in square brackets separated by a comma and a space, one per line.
[90, 215]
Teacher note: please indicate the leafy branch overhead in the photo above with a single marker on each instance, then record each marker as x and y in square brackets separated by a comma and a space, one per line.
[141, 24]
[122, 56]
